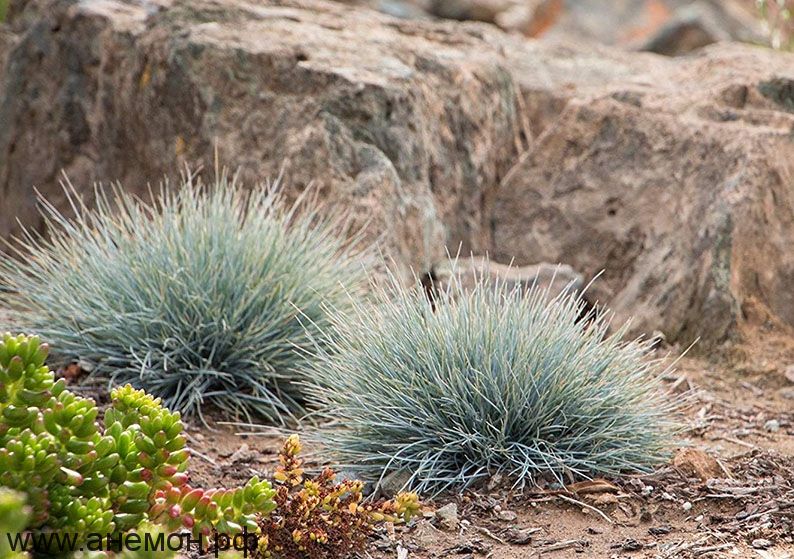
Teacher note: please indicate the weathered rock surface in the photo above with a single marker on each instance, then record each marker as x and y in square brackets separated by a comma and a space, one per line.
[696, 463]
[676, 182]
[550, 74]
[673, 175]
[404, 124]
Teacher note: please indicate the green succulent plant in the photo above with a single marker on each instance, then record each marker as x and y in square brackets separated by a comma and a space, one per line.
[13, 519]
[80, 478]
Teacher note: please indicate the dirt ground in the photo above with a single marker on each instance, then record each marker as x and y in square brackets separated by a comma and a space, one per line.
[737, 500]
[740, 503]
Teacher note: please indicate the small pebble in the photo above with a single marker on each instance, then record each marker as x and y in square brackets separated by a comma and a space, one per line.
[773, 426]
[506, 515]
[761, 543]
[447, 517]
[519, 537]
[687, 506]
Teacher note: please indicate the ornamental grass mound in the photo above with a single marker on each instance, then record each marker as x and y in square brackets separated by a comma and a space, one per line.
[210, 294]
[488, 381]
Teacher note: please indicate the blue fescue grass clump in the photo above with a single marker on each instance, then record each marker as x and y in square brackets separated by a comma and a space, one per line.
[488, 381]
[200, 297]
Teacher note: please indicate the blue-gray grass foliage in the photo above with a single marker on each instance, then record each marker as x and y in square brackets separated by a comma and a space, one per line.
[197, 297]
[488, 381]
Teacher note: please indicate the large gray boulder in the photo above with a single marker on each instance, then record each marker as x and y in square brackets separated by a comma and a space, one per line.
[679, 184]
[673, 175]
[402, 124]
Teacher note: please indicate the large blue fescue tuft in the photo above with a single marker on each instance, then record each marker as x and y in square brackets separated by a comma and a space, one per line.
[210, 295]
[488, 381]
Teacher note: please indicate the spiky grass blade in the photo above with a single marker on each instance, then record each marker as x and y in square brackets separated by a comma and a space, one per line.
[197, 298]
[484, 382]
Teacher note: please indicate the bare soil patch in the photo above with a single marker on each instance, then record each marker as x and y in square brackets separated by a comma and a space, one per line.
[738, 413]
[729, 492]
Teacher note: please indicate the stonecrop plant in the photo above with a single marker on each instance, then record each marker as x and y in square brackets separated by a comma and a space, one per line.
[13, 519]
[485, 381]
[209, 295]
[79, 478]
[322, 518]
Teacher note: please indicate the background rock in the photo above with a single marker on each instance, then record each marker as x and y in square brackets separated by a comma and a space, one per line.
[404, 9]
[403, 124]
[631, 23]
[671, 174]
[677, 183]
[670, 27]
[554, 278]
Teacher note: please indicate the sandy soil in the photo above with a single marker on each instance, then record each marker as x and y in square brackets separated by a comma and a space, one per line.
[739, 410]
